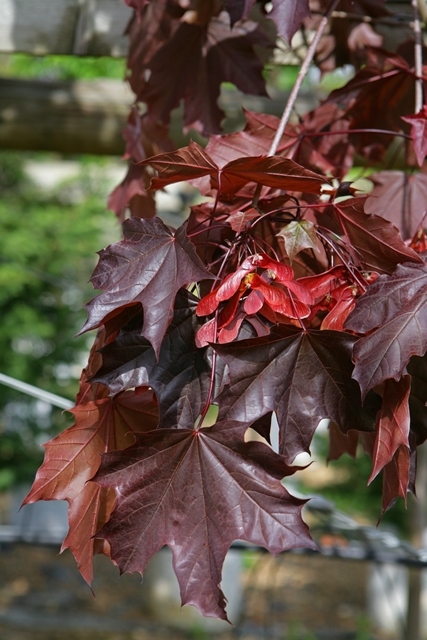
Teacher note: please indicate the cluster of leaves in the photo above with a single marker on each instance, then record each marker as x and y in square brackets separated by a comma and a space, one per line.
[285, 291]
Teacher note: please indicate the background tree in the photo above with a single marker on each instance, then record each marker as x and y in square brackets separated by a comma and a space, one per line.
[287, 290]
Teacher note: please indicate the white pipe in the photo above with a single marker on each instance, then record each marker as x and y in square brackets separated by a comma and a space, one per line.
[30, 390]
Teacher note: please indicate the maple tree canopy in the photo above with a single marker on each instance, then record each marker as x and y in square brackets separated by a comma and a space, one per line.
[286, 290]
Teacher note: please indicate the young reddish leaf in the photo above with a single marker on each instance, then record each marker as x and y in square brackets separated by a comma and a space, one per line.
[393, 423]
[197, 492]
[400, 198]
[73, 457]
[376, 243]
[273, 171]
[148, 267]
[130, 361]
[87, 513]
[299, 235]
[187, 163]
[418, 123]
[397, 476]
[304, 376]
[393, 312]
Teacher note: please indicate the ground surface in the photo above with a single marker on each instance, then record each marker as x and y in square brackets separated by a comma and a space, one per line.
[42, 597]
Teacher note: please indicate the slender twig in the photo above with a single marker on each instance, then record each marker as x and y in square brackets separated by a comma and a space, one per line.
[418, 50]
[301, 75]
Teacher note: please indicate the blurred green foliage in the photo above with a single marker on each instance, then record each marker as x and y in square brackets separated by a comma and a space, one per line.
[48, 244]
[21, 65]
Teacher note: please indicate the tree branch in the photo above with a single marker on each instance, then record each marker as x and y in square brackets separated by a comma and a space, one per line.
[418, 50]
[301, 75]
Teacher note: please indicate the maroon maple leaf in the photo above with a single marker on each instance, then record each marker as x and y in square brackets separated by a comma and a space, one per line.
[197, 492]
[374, 242]
[304, 376]
[147, 267]
[192, 62]
[393, 314]
[393, 423]
[73, 457]
[193, 162]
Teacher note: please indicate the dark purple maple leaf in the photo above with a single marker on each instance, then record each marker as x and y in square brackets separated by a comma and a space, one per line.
[393, 312]
[192, 64]
[417, 367]
[180, 376]
[148, 267]
[238, 9]
[197, 492]
[288, 16]
[304, 376]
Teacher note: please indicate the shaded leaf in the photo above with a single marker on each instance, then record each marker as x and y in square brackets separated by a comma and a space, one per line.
[231, 494]
[340, 443]
[181, 375]
[148, 267]
[417, 368]
[238, 9]
[288, 16]
[378, 96]
[393, 312]
[132, 193]
[400, 198]
[303, 376]
[192, 63]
